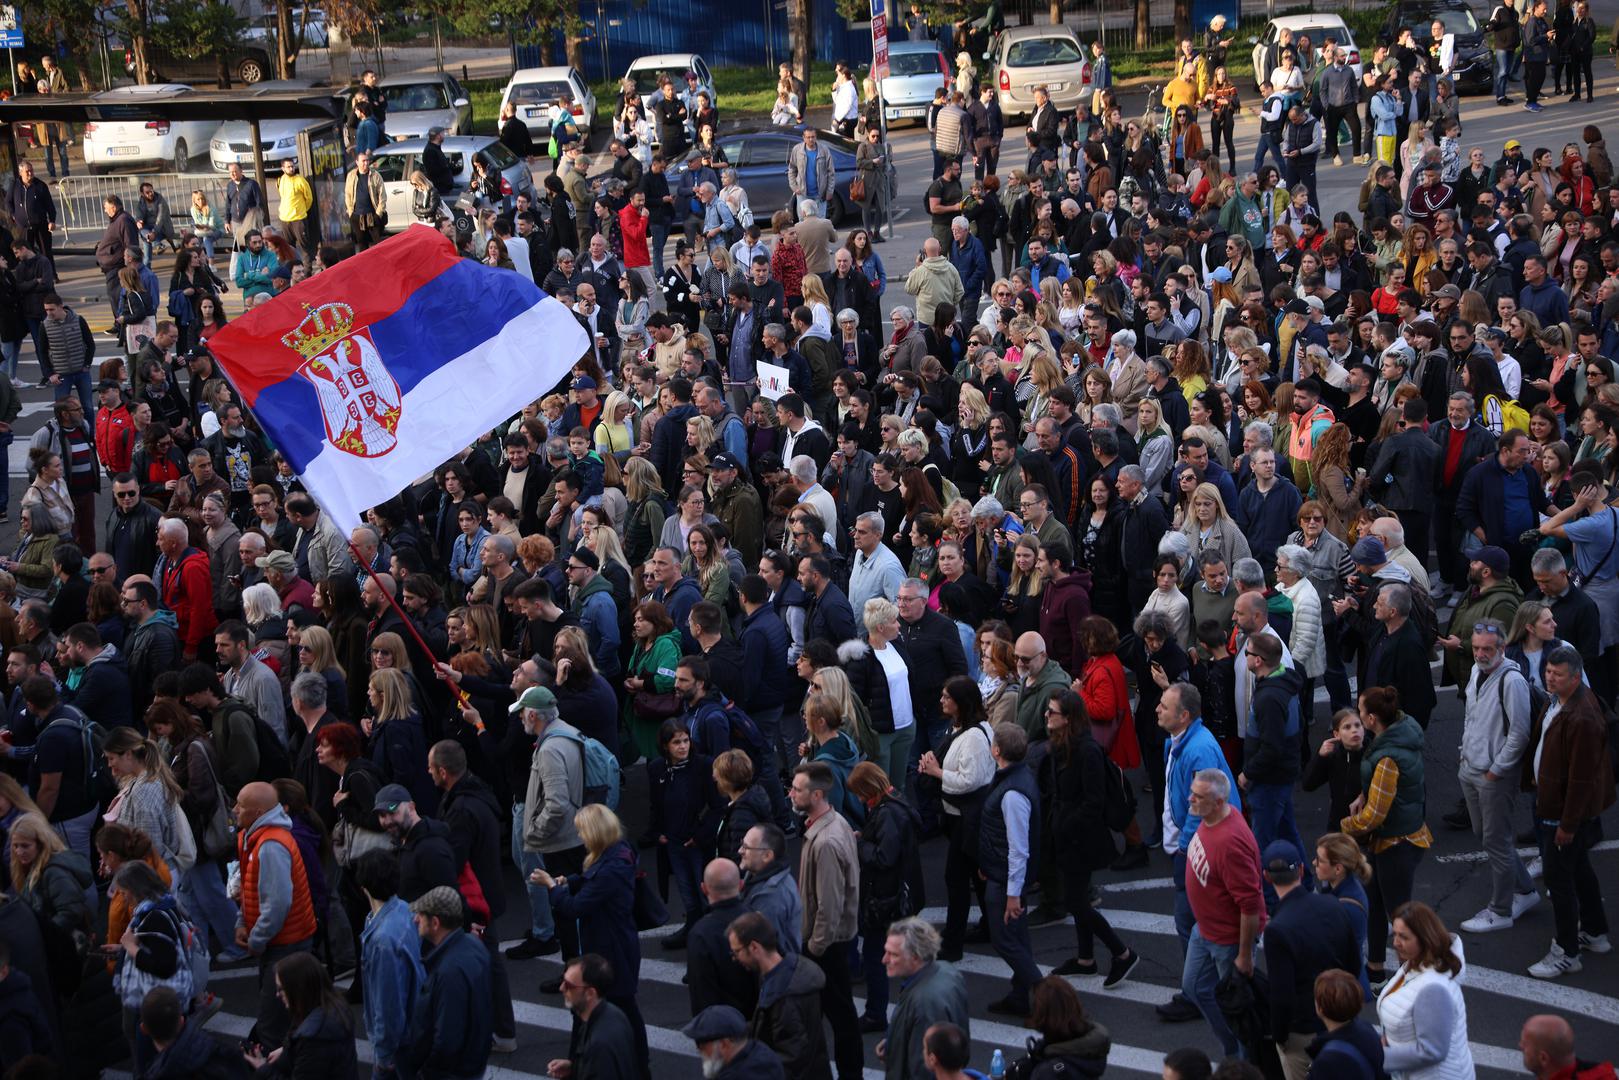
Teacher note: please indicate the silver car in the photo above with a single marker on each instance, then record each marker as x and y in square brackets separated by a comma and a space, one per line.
[417, 103]
[915, 70]
[397, 160]
[1026, 57]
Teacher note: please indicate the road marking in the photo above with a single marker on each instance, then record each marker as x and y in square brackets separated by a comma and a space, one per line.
[1523, 853]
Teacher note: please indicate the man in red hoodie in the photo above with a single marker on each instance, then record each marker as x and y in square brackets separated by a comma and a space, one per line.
[115, 431]
[633, 221]
[1547, 1043]
[186, 582]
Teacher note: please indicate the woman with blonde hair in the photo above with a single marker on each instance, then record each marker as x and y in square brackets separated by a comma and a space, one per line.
[1041, 376]
[398, 746]
[1155, 446]
[649, 508]
[55, 882]
[600, 901]
[705, 562]
[615, 435]
[1342, 871]
[820, 306]
[832, 683]
[1209, 526]
[700, 436]
[148, 797]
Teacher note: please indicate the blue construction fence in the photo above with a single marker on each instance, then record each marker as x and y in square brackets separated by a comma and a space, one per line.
[737, 33]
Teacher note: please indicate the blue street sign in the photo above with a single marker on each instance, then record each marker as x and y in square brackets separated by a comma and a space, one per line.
[11, 39]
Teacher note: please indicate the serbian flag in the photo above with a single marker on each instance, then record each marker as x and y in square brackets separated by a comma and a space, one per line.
[378, 370]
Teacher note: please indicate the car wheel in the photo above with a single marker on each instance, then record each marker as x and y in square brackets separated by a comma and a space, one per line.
[250, 72]
[182, 156]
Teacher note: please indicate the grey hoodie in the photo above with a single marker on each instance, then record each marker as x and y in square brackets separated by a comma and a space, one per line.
[275, 882]
[1488, 744]
[556, 788]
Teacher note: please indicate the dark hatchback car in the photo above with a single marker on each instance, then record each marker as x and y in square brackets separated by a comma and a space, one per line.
[247, 65]
[1474, 69]
[759, 157]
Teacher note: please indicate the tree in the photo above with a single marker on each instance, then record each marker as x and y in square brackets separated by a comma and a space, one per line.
[1143, 22]
[71, 22]
[194, 30]
[798, 38]
[1183, 20]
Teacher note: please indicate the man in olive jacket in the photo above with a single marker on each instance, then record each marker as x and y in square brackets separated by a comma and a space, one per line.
[933, 993]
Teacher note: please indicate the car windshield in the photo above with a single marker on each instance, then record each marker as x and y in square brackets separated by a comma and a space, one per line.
[500, 156]
[913, 63]
[545, 93]
[1043, 52]
[416, 97]
[646, 79]
[1319, 35]
[1455, 20]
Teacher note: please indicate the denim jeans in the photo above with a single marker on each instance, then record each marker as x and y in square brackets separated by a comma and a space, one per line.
[1269, 144]
[1271, 807]
[1011, 942]
[657, 237]
[541, 925]
[1489, 805]
[1184, 921]
[78, 382]
[1206, 964]
[686, 866]
[10, 353]
[202, 894]
[1503, 68]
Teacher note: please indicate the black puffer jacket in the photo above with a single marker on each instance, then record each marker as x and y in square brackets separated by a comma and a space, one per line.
[473, 816]
[1084, 1055]
[320, 1048]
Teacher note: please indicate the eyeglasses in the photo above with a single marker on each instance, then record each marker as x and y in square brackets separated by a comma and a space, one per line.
[1486, 628]
[102, 569]
[126, 494]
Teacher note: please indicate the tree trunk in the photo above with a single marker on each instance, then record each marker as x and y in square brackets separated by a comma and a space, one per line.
[1056, 12]
[798, 41]
[574, 44]
[137, 40]
[1143, 21]
[283, 31]
[1183, 19]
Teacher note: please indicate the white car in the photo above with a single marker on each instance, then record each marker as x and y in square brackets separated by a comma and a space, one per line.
[646, 69]
[535, 92]
[278, 139]
[165, 145]
[1318, 28]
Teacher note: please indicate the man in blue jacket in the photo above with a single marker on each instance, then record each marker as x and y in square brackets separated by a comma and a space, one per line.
[967, 256]
[764, 656]
[1541, 294]
[593, 606]
[391, 958]
[1190, 748]
[1501, 499]
[1267, 507]
[451, 1032]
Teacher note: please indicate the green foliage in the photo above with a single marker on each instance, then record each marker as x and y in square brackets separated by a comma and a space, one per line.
[191, 29]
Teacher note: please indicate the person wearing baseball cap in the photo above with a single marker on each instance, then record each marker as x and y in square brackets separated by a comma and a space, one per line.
[554, 794]
[453, 1033]
[721, 1035]
[585, 411]
[426, 859]
[736, 503]
[1308, 933]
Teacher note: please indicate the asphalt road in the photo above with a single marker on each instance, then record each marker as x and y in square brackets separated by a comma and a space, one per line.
[1498, 992]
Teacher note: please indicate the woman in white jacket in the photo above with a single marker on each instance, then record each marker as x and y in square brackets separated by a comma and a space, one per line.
[1306, 642]
[1421, 1010]
[963, 776]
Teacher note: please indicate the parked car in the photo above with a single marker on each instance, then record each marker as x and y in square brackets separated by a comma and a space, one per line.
[163, 145]
[535, 92]
[397, 160]
[1267, 51]
[646, 69]
[1026, 57]
[1474, 68]
[760, 159]
[915, 70]
[247, 64]
[417, 103]
[315, 35]
[278, 139]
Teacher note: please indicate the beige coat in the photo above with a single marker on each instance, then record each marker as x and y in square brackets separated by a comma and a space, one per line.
[829, 881]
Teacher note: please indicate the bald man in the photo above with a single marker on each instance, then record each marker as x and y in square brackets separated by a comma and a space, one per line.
[1547, 1043]
[1042, 679]
[278, 916]
[713, 977]
[933, 281]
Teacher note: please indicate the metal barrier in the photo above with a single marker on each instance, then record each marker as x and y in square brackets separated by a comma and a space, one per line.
[80, 219]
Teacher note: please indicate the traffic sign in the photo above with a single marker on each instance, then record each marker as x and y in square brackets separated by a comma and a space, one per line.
[879, 40]
[11, 39]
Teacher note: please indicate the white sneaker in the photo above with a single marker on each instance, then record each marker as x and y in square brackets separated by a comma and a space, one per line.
[1486, 921]
[1595, 943]
[1556, 964]
[499, 1045]
[1522, 902]
[1536, 868]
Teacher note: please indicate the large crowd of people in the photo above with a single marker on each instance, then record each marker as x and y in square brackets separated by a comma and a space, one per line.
[1200, 497]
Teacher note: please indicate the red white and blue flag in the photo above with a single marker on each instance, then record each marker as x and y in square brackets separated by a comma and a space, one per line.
[378, 370]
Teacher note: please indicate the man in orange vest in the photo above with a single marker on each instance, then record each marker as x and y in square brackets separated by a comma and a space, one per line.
[1310, 420]
[278, 917]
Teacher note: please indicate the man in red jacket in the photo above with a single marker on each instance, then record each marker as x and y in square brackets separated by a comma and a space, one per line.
[186, 582]
[115, 431]
[1547, 1043]
[633, 221]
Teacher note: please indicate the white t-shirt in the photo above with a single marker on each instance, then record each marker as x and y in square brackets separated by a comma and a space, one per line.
[899, 686]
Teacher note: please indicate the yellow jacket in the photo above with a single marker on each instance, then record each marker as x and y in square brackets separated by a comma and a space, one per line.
[296, 197]
[1180, 92]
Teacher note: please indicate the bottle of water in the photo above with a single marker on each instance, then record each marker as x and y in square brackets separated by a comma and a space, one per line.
[997, 1065]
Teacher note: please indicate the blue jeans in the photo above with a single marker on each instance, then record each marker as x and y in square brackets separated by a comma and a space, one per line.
[541, 925]
[1269, 144]
[202, 893]
[10, 352]
[1271, 807]
[1206, 964]
[1184, 921]
[78, 381]
[658, 235]
[1503, 68]
[1011, 941]
[686, 866]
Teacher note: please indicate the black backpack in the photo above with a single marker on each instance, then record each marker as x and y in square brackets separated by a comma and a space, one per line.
[274, 763]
